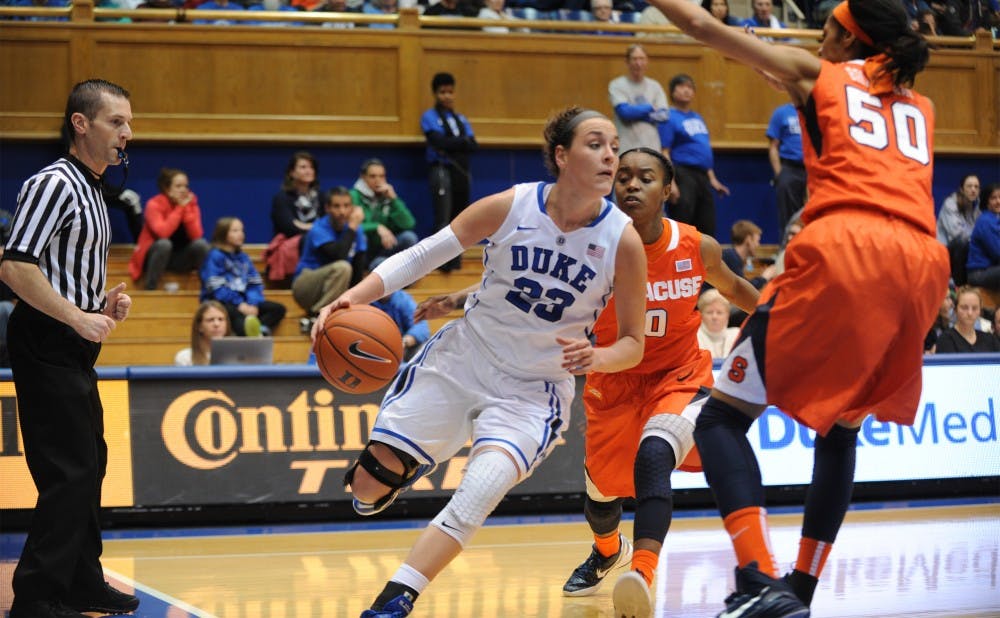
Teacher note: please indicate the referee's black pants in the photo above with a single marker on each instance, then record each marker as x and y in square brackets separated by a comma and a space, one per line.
[62, 424]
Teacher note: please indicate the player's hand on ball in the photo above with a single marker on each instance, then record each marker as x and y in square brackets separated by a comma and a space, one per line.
[325, 312]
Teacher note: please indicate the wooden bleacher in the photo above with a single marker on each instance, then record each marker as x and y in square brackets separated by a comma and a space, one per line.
[160, 322]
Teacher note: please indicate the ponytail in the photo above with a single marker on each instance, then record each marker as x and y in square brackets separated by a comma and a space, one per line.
[886, 23]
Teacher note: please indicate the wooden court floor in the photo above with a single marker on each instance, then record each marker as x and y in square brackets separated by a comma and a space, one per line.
[933, 561]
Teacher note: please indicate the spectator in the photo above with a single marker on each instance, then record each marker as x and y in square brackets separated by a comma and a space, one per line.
[273, 5]
[603, 11]
[210, 322]
[172, 236]
[944, 320]
[964, 337]
[926, 23]
[219, 5]
[763, 17]
[639, 103]
[336, 6]
[333, 254]
[956, 219]
[715, 334]
[791, 230]
[784, 151]
[380, 7]
[685, 138]
[450, 141]
[230, 277]
[948, 17]
[983, 265]
[400, 307]
[388, 223]
[740, 257]
[996, 325]
[913, 10]
[720, 10]
[494, 9]
[293, 210]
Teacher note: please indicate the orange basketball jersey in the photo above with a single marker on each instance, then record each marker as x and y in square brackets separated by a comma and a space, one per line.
[675, 273]
[883, 159]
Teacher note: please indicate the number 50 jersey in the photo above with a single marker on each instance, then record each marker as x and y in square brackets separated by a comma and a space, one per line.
[540, 282]
[873, 151]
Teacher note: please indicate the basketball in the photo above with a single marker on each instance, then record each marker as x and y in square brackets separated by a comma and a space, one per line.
[359, 349]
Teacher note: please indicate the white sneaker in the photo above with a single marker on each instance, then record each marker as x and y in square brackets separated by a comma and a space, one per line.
[631, 597]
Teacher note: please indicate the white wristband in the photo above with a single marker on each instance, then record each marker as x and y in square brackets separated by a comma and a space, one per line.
[402, 269]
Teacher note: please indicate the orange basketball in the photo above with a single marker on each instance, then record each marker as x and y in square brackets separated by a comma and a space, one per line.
[359, 348]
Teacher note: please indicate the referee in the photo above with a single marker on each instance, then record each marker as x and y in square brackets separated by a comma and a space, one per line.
[56, 263]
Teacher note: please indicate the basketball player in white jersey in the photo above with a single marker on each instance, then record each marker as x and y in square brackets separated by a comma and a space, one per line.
[503, 374]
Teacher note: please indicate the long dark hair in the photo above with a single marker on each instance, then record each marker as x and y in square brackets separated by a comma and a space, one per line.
[886, 22]
[288, 184]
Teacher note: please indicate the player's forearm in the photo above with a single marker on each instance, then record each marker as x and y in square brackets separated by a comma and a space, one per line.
[619, 356]
[31, 286]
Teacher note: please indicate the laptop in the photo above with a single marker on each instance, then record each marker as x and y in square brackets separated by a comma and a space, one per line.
[243, 351]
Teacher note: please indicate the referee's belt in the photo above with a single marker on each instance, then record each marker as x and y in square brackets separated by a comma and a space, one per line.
[792, 163]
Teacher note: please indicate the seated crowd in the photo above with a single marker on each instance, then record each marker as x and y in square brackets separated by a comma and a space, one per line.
[932, 17]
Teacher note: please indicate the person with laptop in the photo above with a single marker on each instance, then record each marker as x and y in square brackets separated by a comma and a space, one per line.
[229, 276]
[211, 321]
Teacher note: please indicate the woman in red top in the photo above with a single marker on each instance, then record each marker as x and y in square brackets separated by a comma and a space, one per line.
[172, 236]
[870, 233]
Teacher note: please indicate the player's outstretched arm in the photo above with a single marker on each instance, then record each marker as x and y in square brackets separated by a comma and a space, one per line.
[735, 288]
[785, 63]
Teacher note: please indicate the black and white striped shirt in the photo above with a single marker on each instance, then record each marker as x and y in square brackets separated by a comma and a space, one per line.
[61, 224]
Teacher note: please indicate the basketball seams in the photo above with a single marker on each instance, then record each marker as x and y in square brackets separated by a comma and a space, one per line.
[358, 325]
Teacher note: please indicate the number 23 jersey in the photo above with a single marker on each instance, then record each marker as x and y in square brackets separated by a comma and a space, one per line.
[540, 283]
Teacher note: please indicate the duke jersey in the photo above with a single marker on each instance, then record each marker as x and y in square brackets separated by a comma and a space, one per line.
[872, 151]
[540, 282]
[675, 272]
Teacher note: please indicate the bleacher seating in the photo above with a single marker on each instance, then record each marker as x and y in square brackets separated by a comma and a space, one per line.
[160, 322]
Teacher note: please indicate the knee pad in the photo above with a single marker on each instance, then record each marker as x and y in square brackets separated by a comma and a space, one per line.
[654, 463]
[677, 431]
[394, 481]
[488, 477]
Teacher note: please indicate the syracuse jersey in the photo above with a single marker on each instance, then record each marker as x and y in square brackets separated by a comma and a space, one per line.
[674, 277]
[673, 372]
[884, 147]
[540, 282]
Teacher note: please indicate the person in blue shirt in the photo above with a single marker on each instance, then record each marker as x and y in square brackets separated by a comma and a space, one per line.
[763, 17]
[400, 306]
[229, 276]
[784, 151]
[450, 141]
[333, 253]
[983, 265]
[684, 137]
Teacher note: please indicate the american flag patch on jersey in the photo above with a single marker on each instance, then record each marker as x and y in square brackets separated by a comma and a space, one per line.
[595, 250]
[683, 265]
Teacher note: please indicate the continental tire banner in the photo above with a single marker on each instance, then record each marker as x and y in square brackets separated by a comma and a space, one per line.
[280, 440]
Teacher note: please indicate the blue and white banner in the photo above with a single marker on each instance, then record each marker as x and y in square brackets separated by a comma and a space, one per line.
[954, 435]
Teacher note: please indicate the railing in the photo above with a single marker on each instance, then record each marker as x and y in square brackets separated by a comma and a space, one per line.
[369, 85]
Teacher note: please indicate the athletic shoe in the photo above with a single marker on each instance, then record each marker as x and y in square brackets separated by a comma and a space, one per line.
[631, 596]
[398, 607]
[251, 326]
[42, 609]
[587, 577]
[106, 601]
[760, 596]
[366, 508]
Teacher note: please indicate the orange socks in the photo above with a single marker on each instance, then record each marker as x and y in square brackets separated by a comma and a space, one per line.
[812, 556]
[644, 561]
[748, 530]
[609, 545]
